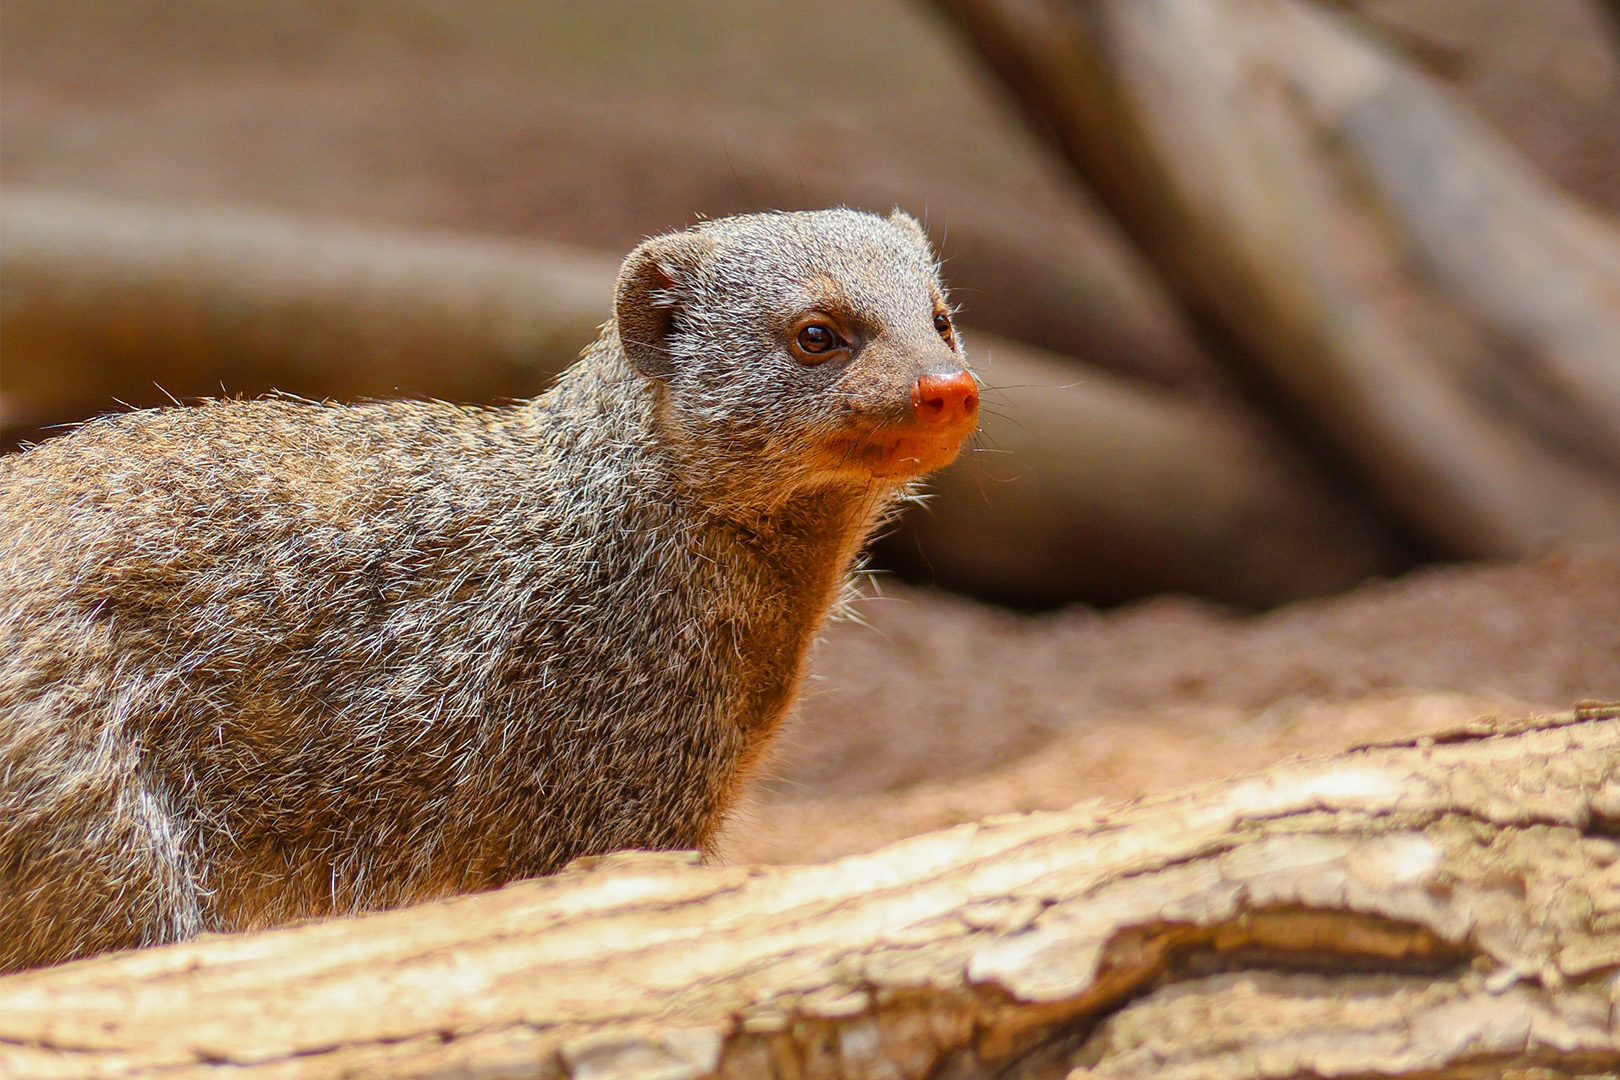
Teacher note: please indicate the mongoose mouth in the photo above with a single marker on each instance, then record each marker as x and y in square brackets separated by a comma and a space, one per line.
[900, 452]
[945, 410]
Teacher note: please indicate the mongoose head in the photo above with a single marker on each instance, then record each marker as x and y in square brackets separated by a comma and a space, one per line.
[800, 349]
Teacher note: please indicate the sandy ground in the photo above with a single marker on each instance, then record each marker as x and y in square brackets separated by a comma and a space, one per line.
[939, 710]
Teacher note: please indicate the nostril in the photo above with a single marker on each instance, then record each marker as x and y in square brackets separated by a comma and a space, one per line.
[942, 399]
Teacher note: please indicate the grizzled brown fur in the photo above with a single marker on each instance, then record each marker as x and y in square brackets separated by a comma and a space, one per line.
[268, 660]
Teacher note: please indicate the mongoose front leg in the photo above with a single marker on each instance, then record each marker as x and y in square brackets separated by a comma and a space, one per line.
[96, 859]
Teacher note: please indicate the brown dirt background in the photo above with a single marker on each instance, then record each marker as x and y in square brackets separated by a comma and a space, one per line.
[938, 710]
[598, 124]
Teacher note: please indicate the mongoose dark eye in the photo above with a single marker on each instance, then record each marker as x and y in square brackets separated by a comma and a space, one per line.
[942, 323]
[816, 339]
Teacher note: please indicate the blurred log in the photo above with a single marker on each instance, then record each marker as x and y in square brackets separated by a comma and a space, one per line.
[105, 297]
[1444, 908]
[1612, 9]
[1091, 487]
[103, 302]
[1078, 289]
[1068, 281]
[1444, 320]
[1083, 485]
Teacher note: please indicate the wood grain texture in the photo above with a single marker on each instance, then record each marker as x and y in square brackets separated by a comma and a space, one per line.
[1445, 908]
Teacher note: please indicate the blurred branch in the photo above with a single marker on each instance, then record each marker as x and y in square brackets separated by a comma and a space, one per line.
[1611, 8]
[1439, 315]
[107, 302]
[1121, 488]
[1446, 59]
[1083, 484]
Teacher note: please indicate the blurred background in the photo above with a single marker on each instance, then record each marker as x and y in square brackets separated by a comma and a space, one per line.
[1299, 322]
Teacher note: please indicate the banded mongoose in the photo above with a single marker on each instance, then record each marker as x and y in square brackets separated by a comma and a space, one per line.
[265, 660]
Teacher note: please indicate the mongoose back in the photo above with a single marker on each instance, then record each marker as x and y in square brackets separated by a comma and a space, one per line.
[266, 660]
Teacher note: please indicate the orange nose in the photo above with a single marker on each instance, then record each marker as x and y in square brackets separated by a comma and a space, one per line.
[945, 399]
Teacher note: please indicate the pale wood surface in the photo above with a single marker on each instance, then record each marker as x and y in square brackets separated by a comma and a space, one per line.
[1449, 907]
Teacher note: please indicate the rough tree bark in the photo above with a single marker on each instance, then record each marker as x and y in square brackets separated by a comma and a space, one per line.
[1445, 320]
[1122, 488]
[1445, 908]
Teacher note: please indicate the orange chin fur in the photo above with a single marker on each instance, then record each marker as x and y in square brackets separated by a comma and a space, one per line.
[897, 453]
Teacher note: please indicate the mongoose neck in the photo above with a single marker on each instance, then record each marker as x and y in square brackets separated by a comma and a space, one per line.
[763, 567]
[604, 400]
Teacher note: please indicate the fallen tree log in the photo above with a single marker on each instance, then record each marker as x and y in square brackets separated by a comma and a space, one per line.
[1443, 908]
[1100, 487]
[1409, 289]
[107, 301]
[1074, 288]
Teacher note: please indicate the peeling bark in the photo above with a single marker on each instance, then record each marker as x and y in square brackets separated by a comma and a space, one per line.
[1445, 908]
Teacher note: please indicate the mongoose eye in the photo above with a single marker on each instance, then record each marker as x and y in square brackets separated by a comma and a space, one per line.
[817, 338]
[942, 323]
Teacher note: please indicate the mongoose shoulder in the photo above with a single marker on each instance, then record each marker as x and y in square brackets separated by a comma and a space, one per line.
[272, 659]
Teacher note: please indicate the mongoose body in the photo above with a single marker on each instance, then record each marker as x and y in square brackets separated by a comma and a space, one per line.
[269, 660]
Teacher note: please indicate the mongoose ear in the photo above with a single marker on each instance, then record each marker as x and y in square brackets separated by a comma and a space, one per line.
[655, 283]
[902, 220]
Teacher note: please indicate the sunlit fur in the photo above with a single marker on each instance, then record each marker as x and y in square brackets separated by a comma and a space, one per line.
[274, 659]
